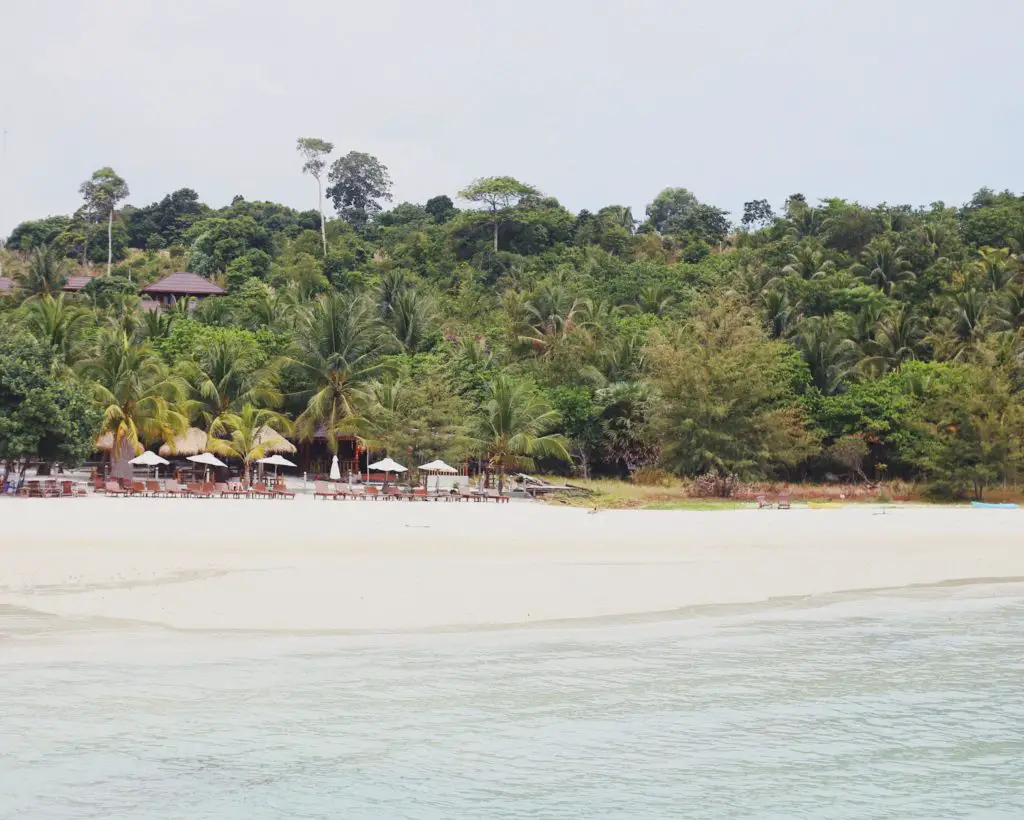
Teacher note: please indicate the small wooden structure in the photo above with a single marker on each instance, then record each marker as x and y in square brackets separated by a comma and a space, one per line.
[181, 285]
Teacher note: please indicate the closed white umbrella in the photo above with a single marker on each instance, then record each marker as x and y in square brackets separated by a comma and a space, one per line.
[335, 470]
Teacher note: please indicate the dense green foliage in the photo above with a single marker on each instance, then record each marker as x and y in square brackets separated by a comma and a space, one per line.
[801, 343]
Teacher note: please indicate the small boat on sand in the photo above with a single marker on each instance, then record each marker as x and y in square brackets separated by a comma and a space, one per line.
[986, 506]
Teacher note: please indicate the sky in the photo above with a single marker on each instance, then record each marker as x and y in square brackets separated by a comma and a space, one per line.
[594, 102]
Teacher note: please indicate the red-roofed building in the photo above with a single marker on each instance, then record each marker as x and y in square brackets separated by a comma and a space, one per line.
[176, 286]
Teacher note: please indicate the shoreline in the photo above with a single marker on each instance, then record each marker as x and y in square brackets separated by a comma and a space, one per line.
[373, 566]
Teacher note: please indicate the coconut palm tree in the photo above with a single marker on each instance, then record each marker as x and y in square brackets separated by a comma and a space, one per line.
[884, 265]
[995, 269]
[552, 312]
[340, 347]
[226, 376]
[248, 435]
[411, 317]
[897, 338]
[780, 314]
[141, 400]
[157, 324]
[59, 325]
[808, 262]
[829, 352]
[47, 271]
[514, 428]
[655, 299]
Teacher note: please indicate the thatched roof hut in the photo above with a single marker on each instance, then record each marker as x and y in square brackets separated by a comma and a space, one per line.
[280, 445]
[190, 444]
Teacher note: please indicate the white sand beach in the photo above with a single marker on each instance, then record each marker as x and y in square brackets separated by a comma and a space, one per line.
[317, 566]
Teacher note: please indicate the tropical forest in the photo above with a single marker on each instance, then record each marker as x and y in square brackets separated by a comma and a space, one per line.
[803, 341]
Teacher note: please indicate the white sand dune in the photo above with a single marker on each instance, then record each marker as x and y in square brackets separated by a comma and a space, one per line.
[304, 565]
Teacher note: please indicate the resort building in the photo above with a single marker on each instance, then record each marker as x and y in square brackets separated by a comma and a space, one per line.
[177, 286]
[77, 282]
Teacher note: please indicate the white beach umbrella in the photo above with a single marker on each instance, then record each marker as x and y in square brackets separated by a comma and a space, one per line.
[387, 465]
[439, 467]
[148, 459]
[209, 459]
[335, 469]
[277, 460]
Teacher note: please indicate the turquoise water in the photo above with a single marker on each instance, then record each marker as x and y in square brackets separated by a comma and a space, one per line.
[904, 704]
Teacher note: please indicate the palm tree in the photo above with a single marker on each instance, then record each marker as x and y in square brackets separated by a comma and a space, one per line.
[655, 299]
[513, 428]
[157, 324]
[808, 262]
[807, 222]
[884, 265]
[828, 352]
[552, 312]
[780, 314]
[140, 399]
[46, 272]
[339, 349]
[411, 317]
[996, 270]
[897, 338]
[59, 325]
[226, 376]
[247, 435]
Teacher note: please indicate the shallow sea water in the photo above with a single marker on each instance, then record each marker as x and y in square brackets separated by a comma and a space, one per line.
[897, 704]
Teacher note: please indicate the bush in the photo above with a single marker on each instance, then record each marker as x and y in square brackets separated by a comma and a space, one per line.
[651, 477]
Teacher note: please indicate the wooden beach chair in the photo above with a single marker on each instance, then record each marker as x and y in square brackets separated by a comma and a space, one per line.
[371, 492]
[259, 490]
[321, 489]
[420, 494]
[763, 503]
[393, 492]
[784, 503]
[98, 484]
[281, 490]
[466, 494]
[112, 488]
[496, 497]
[174, 489]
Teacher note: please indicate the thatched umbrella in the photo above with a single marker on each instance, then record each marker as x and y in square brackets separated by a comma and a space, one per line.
[190, 444]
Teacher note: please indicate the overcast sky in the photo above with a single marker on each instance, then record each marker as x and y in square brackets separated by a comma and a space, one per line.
[594, 102]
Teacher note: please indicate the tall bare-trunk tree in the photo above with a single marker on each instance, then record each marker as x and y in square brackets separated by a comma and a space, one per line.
[102, 192]
[315, 153]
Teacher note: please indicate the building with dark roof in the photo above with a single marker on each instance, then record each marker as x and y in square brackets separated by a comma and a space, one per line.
[177, 286]
[77, 282]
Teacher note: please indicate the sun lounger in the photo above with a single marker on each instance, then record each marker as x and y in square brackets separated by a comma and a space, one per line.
[173, 488]
[321, 489]
[466, 494]
[280, 490]
[153, 488]
[260, 491]
[763, 502]
[784, 501]
[98, 485]
[420, 494]
[112, 488]
[371, 492]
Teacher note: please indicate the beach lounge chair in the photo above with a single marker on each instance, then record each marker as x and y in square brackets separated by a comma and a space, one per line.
[393, 492]
[466, 494]
[153, 487]
[496, 497]
[280, 490]
[370, 492]
[784, 503]
[321, 489]
[173, 488]
[209, 489]
[69, 489]
[98, 485]
[50, 489]
[195, 489]
[763, 502]
[420, 494]
[225, 490]
[112, 488]
[260, 491]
